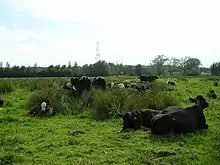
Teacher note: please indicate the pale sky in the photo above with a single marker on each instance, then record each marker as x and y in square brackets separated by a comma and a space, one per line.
[129, 31]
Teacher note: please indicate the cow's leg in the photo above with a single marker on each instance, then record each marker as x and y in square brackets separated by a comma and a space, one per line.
[202, 121]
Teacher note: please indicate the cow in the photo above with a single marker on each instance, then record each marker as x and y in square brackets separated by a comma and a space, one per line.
[137, 119]
[81, 84]
[211, 94]
[147, 78]
[41, 110]
[171, 83]
[131, 120]
[1, 102]
[137, 86]
[189, 119]
[99, 82]
[161, 124]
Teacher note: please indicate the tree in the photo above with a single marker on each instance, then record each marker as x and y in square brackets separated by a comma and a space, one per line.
[138, 70]
[215, 69]
[69, 65]
[7, 65]
[172, 65]
[158, 64]
[191, 66]
[101, 68]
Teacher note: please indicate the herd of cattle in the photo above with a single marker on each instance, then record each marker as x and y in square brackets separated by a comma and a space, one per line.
[81, 84]
[173, 119]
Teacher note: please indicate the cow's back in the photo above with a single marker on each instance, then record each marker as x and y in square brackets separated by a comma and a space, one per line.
[183, 120]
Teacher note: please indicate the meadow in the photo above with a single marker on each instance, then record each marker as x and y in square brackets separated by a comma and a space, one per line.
[88, 134]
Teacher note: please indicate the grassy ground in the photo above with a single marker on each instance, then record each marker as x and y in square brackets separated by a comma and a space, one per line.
[79, 139]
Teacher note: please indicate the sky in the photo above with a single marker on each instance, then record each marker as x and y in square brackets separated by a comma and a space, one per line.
[128, 31]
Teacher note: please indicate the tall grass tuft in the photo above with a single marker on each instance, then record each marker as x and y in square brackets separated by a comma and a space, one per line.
[5, 86]
[109, 104]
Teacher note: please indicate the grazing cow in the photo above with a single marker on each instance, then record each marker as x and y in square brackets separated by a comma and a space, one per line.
[161, 124]
[1, 102]
[211, 94]
[189, 119]
[81, 84]
[137, 119]
[99, 82]
[67, 85]
[148, 78]
[171, 83]
[215, 83]
[74, 81]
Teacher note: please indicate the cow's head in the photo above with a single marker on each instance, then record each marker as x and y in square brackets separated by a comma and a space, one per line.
[201, 101]
[127, 119]
[130, 120]
[74, 81]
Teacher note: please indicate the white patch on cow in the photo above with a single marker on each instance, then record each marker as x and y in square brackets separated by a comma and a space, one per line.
[69, 85]
[74, 88]
[43, 106]
[112, 84]
[121, 85]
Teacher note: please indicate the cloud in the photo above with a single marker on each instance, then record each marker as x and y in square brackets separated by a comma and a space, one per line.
[25, 47]
[129, 31]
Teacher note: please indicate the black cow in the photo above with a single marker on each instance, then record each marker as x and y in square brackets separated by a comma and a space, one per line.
[81, 84]
[99, 82]
[148, 78]
[1, 102]
[171, 83]
[74, 81]
[161, 124]
[211, 94]
[137, 119]
[131, 120]
[189, 119]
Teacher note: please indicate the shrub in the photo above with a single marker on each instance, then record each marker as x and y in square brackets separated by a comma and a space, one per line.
[106, 104]
[60, 100]
[39, 97]
[109, 103]
[5, 86]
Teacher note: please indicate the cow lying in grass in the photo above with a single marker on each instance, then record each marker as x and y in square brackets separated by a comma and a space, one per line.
[211, 94]
[189, 119]
[137, 119]
[41, 110]
[172, 119]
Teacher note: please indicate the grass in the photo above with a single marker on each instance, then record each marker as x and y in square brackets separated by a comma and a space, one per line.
[80, 139]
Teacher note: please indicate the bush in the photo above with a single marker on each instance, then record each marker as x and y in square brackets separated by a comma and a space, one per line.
[5, 86]
[104, 104]
[109, 103]
[62, 101]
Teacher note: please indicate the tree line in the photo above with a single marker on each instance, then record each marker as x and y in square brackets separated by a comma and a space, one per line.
[160, 65]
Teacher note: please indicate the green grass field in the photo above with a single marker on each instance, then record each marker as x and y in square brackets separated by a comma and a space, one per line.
[82, 139]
